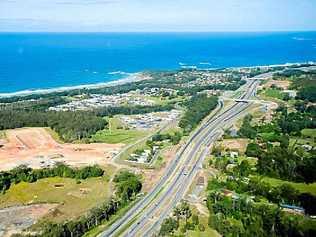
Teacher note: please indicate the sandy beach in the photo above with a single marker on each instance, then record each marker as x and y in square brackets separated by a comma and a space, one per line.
[134, 77]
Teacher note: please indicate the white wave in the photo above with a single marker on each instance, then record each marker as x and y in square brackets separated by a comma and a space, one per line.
[189, 67]
[301, 38]
[182, 64]
[130, 78]
[205, 63]
[118, 73]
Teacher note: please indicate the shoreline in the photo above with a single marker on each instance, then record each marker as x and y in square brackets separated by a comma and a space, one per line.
[133, 77]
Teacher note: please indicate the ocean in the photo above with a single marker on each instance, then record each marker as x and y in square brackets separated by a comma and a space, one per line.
[32, 61]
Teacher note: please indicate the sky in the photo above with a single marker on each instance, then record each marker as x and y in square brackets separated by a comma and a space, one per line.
[157, 15]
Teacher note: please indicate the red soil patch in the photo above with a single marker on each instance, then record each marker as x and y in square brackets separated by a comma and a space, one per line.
[36, 148]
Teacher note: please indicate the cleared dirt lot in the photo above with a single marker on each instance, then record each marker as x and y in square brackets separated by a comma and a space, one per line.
[281, 84]
[15, 219]
[36, 148]
[238, 144]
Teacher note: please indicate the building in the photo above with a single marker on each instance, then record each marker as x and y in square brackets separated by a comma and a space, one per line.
[293, 209]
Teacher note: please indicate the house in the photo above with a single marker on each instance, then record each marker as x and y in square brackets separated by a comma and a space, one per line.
[293, 209]
[233, 132]
[200, 181]
[233, 154]
[291, 93]
[307, 147]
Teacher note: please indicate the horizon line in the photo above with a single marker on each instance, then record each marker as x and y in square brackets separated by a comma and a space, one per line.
[188, 31]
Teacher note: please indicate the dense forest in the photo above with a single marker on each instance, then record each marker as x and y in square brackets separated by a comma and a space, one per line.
[197, 108]
[243, 217]
[243, 204]
[277, 157]
[71, 125]
[244, 200]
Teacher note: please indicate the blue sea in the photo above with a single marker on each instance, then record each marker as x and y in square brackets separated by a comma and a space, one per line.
[32, 61]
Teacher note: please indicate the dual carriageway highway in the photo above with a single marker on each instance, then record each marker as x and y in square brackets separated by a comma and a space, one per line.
[146, 216]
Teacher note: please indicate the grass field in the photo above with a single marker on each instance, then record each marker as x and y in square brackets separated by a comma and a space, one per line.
[74, 198]
[117, 133]
[301, 187]
[140, 145]
[269, 136]
[54, 135]
[207, 233]
[301, 141]
[164, 101]
[308, 132]
[274, 93]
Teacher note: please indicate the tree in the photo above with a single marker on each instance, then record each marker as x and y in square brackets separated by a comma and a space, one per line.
[185, 211]
[177, 213]
[308, 202]
[253, 150]
[244, 168]
[168, 226]
[246, 129]
[127, 185]
[195, 219]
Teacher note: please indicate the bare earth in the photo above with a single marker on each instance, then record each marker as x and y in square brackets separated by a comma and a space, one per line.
[15, 219]
[282, 84]
[239, 144]
[151, 177]
[36, 148]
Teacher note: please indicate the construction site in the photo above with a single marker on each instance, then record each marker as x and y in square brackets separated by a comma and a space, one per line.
[36, 148]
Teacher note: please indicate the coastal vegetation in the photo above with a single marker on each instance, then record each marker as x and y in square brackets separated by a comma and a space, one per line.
[158, 79]
[282, 160]
[270, 190]
[244, 199]
[197, 108]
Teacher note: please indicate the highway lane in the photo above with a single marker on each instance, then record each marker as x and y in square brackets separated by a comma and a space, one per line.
[114, 228]
[183, 185]
[175, 166]
[145, 226]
